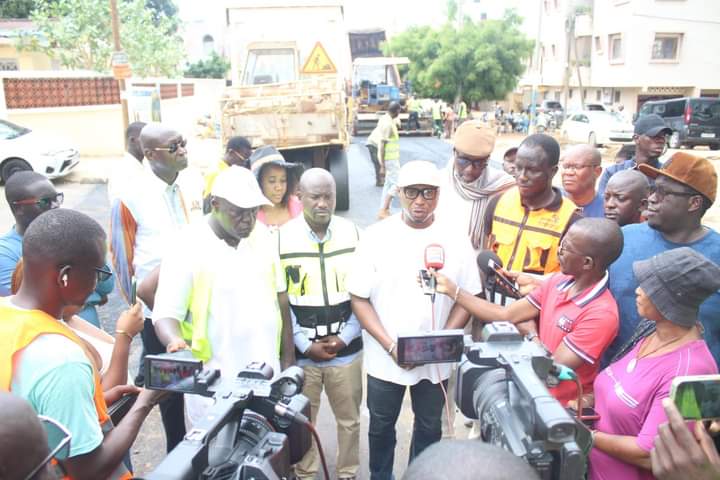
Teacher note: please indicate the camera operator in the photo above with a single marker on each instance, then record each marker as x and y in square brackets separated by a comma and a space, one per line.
[387, 301]
[43, 361]
[480, 461]
[578, 315]
[222, 291]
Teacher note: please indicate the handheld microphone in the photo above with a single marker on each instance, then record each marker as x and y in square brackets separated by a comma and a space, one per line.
[490, 264]
[435, 259]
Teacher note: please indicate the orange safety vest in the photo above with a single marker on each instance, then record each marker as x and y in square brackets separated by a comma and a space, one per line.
[18, 329]
[527, 240]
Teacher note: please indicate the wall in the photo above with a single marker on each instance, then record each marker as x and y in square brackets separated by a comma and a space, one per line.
[26, 60]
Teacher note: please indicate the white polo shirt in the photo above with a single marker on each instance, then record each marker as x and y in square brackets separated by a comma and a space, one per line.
[389, 257]
[244, 322]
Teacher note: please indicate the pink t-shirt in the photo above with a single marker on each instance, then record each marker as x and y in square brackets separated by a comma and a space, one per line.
[631, 403]
[294, 206]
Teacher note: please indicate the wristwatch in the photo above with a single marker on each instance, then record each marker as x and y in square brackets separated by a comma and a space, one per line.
[531, 336]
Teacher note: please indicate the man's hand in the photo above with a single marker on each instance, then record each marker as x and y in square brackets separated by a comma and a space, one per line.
[318, 351]
[176, 344]
[333, 344]
[131, 320]
[678, 455]
[443, 284]
[119, 391]
[150, 398]
[526, 283]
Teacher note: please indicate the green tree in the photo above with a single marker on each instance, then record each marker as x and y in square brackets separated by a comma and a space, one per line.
[16, 8]
[79, 34]
[478, 61]
[214, 66]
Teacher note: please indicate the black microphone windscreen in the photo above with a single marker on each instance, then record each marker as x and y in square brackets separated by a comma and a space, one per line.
[483, 261]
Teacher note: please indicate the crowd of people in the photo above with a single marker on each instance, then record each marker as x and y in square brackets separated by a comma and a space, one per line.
[618, 274]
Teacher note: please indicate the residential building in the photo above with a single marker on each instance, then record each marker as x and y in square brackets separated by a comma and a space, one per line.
[11, 57]
[628, 51]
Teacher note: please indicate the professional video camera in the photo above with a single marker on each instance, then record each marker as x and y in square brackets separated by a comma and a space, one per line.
[502, 382]
[255, 429]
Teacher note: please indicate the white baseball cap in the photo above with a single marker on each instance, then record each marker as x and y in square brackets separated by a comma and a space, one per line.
[238, 186]
[419, 172]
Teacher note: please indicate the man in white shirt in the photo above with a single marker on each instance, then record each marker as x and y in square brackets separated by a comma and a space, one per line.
[131, 166]
[223, 279]
[145, 217]
[388, 301]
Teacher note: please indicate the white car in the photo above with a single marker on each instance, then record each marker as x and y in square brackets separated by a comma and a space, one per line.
[23, 149]
[596, 127]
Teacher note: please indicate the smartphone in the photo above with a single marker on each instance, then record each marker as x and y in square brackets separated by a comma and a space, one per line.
[133, 291]
[428, 282]
[588, 414]
[442, 346]
[173, 372]
[506, 283]
[697, 397]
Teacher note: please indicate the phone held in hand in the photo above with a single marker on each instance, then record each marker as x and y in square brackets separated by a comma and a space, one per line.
[441, 346]
[133, 291]
[697, 397]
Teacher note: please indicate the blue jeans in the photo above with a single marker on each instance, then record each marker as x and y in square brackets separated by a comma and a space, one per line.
[384, 401]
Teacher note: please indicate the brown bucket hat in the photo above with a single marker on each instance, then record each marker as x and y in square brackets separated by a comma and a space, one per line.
[696, 172]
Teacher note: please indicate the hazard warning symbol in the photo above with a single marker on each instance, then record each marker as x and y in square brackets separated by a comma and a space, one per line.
[319, 61]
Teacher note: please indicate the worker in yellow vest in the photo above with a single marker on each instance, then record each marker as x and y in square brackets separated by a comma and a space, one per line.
[43, 361]
[317, 251]
[221, 291]
[237, 152]
[462, 112]
[527, 222]
[384, 147]
[437, 117]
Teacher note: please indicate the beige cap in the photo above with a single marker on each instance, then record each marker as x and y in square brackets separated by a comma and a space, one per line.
[238, 186]
[474, 138]
[419, 172]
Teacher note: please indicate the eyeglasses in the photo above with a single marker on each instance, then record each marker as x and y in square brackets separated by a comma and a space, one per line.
[427, 193]
[575, 168]
[463, 162]
[103, 274]
[562, 249]
[173, 147]
[44, 202]
[59, 436]
[661, 192]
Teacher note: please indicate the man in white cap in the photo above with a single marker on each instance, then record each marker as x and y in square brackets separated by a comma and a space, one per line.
[222, 292]
[469, 182]
[388, 301]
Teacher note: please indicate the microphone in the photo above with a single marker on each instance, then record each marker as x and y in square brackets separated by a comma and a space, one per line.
[435, 259]
[489, 264]
[434, 256]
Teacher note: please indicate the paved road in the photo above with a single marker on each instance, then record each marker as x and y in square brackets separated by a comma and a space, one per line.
[149, 448]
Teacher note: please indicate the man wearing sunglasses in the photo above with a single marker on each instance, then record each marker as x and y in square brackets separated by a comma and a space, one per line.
[470, 182]
[45, 363]
[685, 188]
[145, 218]
[28, 194]
[387, 301]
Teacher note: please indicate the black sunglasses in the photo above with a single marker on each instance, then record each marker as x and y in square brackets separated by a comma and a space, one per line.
[463, 162]
[59, 436]
[427, 193]
[173, 147]
[103, 274]
[45, 202]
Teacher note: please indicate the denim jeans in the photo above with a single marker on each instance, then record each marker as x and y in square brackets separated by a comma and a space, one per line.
[384, 401]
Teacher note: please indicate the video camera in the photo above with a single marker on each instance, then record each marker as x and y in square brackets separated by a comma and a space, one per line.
[502, 382]
[255, 429]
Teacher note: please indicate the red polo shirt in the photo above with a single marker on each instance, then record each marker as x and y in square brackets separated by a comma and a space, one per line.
[586, 324]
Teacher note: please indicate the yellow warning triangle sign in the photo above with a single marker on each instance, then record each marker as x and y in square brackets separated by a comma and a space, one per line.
[319, 61]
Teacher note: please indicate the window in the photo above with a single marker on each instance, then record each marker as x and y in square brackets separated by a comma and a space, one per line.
[598, 45]
[570, 93]
[598, 95]
[617, 96]
[7, 64]
[616, 48]
[552, 50]
[666, 47]
[584, 94]
[208, 45]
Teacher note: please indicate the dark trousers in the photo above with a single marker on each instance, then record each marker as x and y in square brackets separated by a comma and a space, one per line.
[172, 409]
[373, 151]
[384, 401]
[413, 122]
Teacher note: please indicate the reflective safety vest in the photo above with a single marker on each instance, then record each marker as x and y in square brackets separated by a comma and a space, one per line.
[527, 240]
[316, 278]
[436, 113]
[18, 329]
[462, 111]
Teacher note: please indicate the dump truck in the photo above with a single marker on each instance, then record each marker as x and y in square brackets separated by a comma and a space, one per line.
[290, 67]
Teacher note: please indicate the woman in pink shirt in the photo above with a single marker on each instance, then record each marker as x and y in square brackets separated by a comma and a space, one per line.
[628, 394]
[277, 179]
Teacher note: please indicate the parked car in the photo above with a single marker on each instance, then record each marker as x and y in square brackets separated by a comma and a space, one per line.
[694, 120]
[596, 128]
[554, 108]
[595, 107]
[24, 149]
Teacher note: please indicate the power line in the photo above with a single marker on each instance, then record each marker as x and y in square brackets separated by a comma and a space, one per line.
[689, 20]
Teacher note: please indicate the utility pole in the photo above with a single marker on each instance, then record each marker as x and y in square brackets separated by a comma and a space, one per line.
[118, 50]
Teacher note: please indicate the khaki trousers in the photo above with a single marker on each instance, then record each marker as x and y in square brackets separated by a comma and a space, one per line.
[343, 387]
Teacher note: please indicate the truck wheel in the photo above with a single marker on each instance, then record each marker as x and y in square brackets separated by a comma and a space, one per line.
[338, 166]
[12, 166]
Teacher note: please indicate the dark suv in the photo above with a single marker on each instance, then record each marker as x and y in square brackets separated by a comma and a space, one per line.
[554, 108]
[694, 120]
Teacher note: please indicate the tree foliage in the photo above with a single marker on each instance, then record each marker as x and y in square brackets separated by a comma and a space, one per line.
[478, 61]
[16, 8]
[214, 66]
[79, 34]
